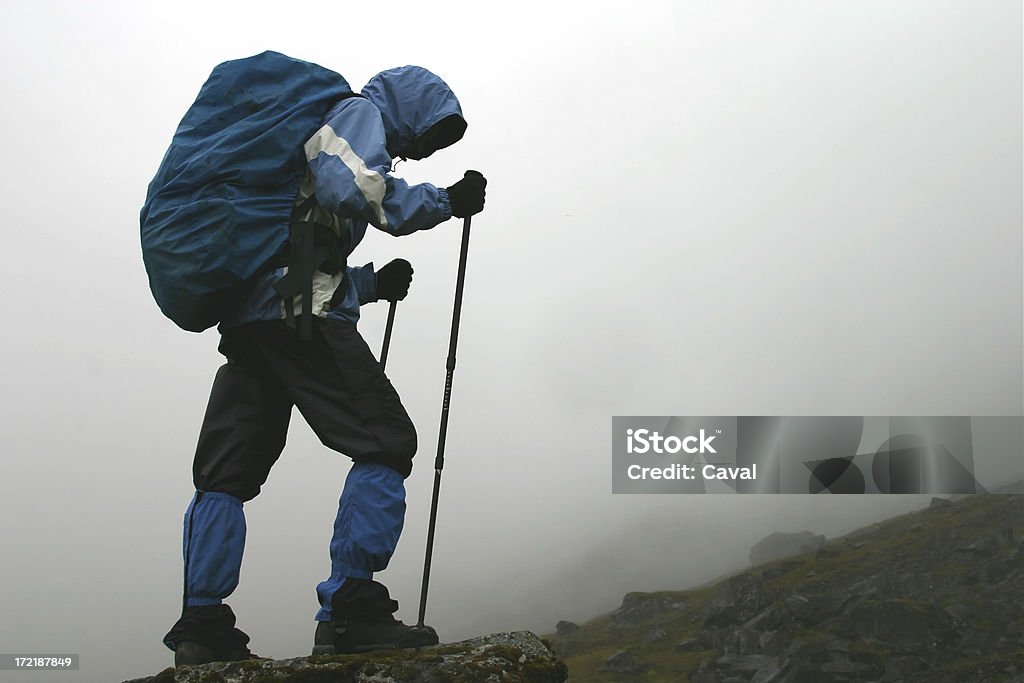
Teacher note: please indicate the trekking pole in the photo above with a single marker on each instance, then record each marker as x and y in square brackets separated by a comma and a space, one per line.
[439, 461]
[387, 334]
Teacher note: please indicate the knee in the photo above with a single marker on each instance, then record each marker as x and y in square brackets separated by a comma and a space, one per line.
[242, 486]
[398, 448]
[229, 470]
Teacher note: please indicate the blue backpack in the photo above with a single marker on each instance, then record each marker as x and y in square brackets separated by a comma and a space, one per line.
[217, 213]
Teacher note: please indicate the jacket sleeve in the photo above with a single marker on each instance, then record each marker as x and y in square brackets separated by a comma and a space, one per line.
[351, 166]
[364, 278]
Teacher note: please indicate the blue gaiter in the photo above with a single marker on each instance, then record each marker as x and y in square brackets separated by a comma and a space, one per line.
[371, 514]
[212, 546]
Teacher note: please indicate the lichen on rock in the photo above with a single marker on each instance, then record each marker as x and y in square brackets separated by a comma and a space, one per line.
[517, 657]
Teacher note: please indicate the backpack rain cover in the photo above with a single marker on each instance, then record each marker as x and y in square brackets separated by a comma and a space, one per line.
[218, 209]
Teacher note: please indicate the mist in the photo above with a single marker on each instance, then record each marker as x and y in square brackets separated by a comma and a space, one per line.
[742, 208]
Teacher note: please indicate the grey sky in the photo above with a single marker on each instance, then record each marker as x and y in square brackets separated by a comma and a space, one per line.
[693, 208]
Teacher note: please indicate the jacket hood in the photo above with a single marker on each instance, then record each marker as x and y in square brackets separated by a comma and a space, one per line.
[411, 99]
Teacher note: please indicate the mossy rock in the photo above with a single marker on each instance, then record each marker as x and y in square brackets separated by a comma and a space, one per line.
[519, 657]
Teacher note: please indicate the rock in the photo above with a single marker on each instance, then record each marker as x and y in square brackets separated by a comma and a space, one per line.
[748, 664]
[692, 645]
[771, 643]
[815, 609]
[845, 669]
[564, 628]
[774, 671]
[909, 624]
[780, 569]
[829, 659]
[872, 659]
[705, 673]
[983, 547]
[884, 584]
[1004, 537]
[793, 647]
[767, 620]
[637, 607]
[743, 641]
[960, 612]
[740, 599]
[656, 636]
[902, 668]
[781, 545]
[995, 572]
[623, 662]
[800, 608]
[520, 657]
[939, 503]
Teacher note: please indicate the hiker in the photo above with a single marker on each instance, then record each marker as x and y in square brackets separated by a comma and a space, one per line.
[328, 373]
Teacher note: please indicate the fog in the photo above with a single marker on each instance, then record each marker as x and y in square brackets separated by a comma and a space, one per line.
[693, 208]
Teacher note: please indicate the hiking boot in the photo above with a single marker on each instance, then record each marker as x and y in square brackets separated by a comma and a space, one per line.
[190, 654]
[351, 637]
[363, 621]
[207, 634]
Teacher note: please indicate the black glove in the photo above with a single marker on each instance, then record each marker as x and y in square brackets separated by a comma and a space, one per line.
[393, 280]
[467, 195]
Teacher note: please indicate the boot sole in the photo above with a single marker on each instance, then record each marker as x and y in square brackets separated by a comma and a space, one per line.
[328, 650]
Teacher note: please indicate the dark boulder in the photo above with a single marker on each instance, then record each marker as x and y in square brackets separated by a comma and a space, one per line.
[564, 628]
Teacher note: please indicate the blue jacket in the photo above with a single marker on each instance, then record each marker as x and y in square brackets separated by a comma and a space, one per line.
[349, 160]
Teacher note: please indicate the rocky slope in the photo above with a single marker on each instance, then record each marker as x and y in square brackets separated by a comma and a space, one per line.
[933, 596]
[779, 545]
[519, 657]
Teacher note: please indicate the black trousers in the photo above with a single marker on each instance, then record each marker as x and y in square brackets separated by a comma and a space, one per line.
[333, 379]
[339, 388]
